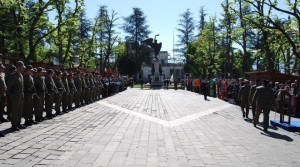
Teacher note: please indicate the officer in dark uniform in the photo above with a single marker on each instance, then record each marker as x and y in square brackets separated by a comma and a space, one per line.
[29, 91]
[65, 96]
[51, 91]
[2, 92]
[15, 90]
[40, 86]
[265, 101]
[73, 90]
[78, 85]
[61, 89]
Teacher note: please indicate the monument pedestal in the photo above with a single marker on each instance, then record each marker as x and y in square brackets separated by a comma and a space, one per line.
[156, 77]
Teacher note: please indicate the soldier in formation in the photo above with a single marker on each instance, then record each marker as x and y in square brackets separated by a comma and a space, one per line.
[29, 92]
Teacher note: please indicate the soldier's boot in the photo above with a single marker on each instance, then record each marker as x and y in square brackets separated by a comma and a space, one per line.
[243, 112]
[247, 112]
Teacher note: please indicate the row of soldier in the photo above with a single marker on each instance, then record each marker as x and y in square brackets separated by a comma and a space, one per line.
[29, 92]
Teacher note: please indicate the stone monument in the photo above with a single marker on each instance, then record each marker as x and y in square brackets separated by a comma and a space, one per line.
[156, 71]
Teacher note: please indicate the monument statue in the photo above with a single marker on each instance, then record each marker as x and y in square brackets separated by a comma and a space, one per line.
[154, 45]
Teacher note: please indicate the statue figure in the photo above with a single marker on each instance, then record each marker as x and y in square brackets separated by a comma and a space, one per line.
[154, 45]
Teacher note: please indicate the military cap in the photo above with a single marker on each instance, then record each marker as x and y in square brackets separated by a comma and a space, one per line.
[246, 81]
[50, 71]
[12, 68]
[20, 64]
[1, 65]
[58, 72]
[265, 82]
[34, 70]
[71, 74]
[40, 69]
[29, 67]
[65, 73]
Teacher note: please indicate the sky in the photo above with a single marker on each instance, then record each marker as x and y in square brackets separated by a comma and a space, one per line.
[162, 15]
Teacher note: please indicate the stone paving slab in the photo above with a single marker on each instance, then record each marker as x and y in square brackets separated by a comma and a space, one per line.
[150, 128]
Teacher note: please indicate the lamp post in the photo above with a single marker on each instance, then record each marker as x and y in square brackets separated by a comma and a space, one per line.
[155, 36]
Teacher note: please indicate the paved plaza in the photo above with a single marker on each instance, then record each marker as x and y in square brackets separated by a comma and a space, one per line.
[150, 128]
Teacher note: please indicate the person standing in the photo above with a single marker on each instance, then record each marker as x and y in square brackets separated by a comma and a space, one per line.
[88, 89]
[264, 100]
[73, 90]
[40, 86]
[29, 91]
[15, 90]
[243, 97]
[65, 96]
[51, 91]
[84, 89]
[251, 94]
[2, 92]
[78, 85]
[58, 95]
[205, 89]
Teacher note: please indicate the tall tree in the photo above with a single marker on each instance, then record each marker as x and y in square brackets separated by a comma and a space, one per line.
[227, 23]
[202, 21]
[136, 27]
[186, 34]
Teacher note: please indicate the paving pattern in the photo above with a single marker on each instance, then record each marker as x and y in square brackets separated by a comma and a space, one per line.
[150, 128]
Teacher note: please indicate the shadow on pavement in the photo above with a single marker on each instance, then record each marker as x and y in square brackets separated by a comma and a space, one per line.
[277, 136]
[5, 132]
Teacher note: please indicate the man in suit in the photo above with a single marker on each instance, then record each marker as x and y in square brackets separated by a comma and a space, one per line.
[40, 86]
[51, 91]
[2, 92]
[264, 100]
[15, 90]
[243, 96]
[29, 91]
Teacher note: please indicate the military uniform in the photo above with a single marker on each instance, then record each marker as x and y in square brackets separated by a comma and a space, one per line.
[264, 100]
[73, 90]
[12, 70]
[92, 88]
[40, 86]
[61, 89]
[87, 90]
[51, 91]
[84, 91]
[15, 89]
[78, 85]
[243, 96]
[65, 96]
[2, 93]
[29, 91]
[251, 94]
